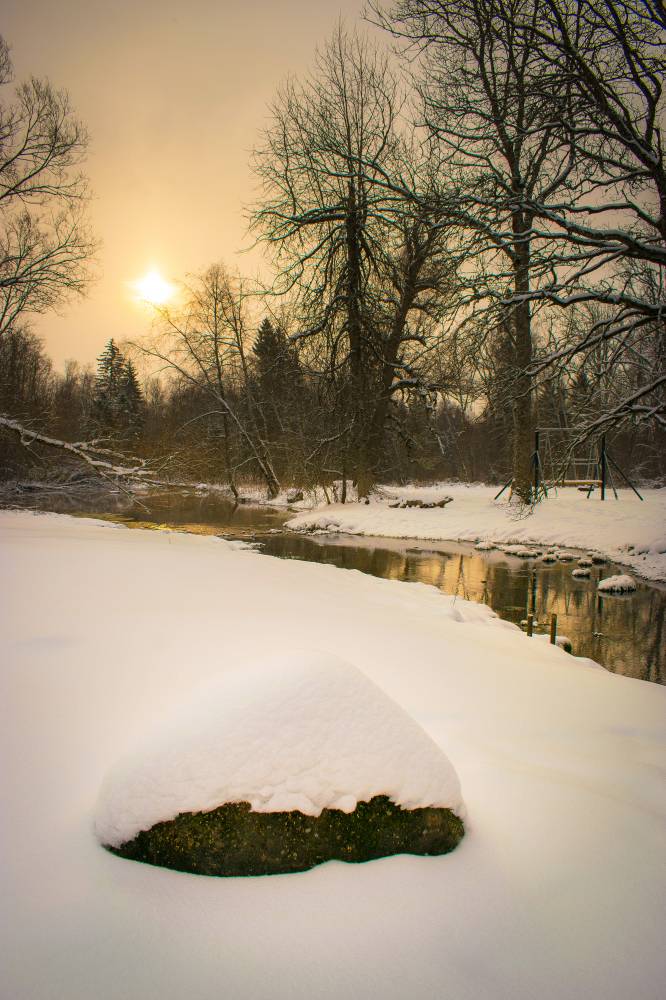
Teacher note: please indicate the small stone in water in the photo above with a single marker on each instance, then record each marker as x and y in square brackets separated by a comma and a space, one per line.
[620, 584]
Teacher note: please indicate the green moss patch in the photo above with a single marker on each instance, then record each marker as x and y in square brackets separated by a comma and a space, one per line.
[233, 840]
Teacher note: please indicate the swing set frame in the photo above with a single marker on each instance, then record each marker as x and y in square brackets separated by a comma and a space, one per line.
[602, 463]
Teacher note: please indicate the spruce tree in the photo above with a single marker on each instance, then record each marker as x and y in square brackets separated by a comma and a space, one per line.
[108, 381]
[277, 370]
[118, 404]
[131, 401]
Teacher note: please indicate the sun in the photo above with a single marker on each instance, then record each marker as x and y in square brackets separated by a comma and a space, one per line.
[153, 289]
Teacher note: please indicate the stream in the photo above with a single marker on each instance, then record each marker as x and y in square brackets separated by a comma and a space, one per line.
[623, 633]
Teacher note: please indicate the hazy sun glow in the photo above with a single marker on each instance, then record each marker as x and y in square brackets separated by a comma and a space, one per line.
[153, 289]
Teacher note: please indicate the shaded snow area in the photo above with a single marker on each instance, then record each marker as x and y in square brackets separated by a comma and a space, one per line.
[302, 731]
[627, 530]
[557, 891]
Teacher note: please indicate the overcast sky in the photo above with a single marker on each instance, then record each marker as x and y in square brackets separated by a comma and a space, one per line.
[174, 93]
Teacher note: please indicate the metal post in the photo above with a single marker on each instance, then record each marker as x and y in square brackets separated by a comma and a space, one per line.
[627, 481]
[530, 624]
[602, 462]
[533, 593]
[553, 630]
[506, 486]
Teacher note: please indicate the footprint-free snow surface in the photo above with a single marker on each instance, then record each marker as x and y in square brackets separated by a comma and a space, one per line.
[303, 731]
[556, 892]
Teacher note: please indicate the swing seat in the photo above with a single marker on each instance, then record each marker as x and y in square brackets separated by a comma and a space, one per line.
[579, 482]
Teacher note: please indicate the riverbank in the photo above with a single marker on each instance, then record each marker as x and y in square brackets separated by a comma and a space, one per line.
[626, 531]
[105, 631]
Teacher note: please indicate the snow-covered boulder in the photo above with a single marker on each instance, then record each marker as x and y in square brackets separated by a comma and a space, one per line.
[549, 557]
[581, 573]
[620, 584]
[278, 767]
[485, 546]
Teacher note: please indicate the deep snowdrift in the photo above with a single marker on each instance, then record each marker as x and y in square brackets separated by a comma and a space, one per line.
[556, 892]
[625, 530]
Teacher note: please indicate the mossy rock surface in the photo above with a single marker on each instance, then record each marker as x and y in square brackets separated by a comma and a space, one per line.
[234, 840]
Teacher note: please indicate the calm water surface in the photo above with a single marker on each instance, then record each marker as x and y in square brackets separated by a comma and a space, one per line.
[625, 634]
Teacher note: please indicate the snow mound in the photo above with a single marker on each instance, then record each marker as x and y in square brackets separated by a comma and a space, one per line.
[621, 584]
[304, 731]
[522, 551]
[564, 642]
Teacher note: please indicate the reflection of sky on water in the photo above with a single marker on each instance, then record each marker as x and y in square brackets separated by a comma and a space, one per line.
[626, 634]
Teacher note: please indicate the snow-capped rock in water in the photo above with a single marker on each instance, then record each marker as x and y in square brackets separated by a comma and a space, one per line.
[620, 584]
[278, 767]
[582, 573]
[521, 551]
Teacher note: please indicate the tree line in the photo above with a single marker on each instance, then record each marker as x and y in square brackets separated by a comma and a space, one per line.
[468, 239]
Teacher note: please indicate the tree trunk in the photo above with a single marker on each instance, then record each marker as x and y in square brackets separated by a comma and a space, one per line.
[357, 359]
[522, 408]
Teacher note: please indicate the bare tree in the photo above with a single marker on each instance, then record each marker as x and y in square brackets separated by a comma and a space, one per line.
[46, 247]
[204, 342]
[611, 219]
[550, 111]
[498, 154]
[45, 244]
[349, 241]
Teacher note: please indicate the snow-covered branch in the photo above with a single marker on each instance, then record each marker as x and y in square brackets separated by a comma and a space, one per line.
[105, 462]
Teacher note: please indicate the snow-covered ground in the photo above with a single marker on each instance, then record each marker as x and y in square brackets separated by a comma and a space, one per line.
[557, 891]
[625, 530]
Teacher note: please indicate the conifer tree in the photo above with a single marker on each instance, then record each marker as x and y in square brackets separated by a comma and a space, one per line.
[278, 376]
[108, 382]
[118, 402]
[132, 404]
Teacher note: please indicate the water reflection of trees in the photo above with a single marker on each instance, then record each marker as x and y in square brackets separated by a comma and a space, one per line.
[626, 635]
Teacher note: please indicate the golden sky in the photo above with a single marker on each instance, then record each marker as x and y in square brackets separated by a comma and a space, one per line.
[173, 93]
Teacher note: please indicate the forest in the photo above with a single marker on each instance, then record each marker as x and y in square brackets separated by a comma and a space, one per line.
[466, 231]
